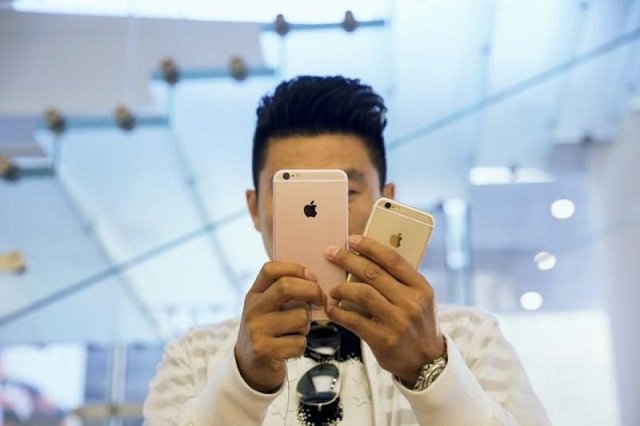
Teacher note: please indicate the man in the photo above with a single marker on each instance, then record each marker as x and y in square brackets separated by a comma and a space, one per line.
[408, 363]
[22, 403]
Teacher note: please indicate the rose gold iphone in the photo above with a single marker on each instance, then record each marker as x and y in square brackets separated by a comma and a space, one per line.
[400, 227]
[309, 214]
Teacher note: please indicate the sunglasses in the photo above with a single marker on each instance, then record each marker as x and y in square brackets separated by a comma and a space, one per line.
[320, 385]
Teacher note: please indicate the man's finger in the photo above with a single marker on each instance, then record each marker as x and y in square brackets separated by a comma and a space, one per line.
[287, 289]
[271, 271]
[364, 295]
[370, 272]
[372, 332]
[280, 323]
[388, 258]
[285, 347]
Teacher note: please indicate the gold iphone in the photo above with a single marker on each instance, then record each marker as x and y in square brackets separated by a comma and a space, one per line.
[401, 227]
[310, 213]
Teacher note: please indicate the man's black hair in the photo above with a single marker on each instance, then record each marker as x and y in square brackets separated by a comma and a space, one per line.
[312, 106]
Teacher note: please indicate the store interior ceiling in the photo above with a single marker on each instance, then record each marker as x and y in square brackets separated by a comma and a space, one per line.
[136, 234]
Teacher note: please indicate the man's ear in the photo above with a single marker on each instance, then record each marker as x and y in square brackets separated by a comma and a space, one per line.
[389, 190]
[252, 206]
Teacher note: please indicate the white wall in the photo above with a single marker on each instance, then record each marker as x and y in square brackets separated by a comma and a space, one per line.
[615, 178]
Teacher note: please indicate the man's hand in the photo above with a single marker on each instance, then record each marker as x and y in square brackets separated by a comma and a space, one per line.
[402, 331]
[270, 334]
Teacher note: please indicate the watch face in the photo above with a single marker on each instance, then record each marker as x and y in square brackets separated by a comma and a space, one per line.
[429, 373]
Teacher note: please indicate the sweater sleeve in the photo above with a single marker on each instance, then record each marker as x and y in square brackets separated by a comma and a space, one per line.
[487, 386]
[228, 400]
[194, 387]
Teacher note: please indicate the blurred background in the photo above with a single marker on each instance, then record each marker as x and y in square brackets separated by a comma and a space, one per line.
[125, 143]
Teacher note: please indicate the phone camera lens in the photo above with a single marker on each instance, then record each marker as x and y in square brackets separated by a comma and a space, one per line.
[387, 205]
[286, 176]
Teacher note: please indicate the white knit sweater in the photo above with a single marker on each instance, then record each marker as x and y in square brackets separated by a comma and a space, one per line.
[198, 383]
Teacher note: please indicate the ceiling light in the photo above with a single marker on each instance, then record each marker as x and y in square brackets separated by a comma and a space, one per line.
[55, 121]
[238, 68]
[13, 261]
[563, 209]
[281, 26]
[124, 118]
[169, 70]
[349, 24]
[544, 260]
[531, 301]
[8, 170]
[455, 207]
[507, 175]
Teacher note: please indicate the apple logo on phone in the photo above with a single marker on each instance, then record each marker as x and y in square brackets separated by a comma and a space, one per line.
[395, 239]
[310, 209]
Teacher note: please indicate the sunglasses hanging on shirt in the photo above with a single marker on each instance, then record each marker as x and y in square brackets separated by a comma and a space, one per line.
[320, 385]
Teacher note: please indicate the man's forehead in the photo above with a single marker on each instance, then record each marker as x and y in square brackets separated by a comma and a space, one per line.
[322, 147]
[326, 151]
